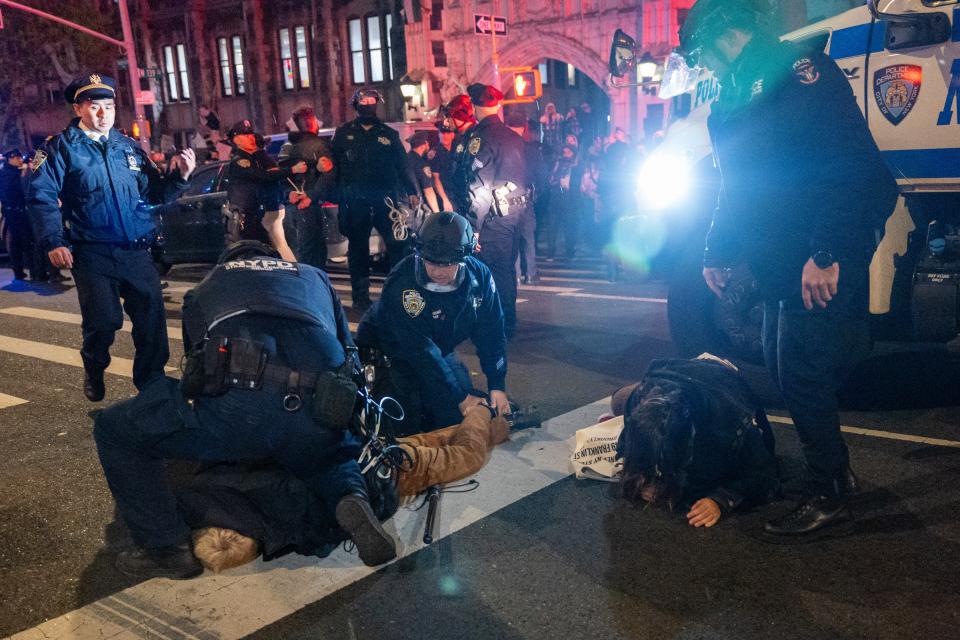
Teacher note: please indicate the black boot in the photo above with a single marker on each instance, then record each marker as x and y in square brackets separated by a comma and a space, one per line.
[374, 545]
[811, 515]
[93, 386]
[176, 563]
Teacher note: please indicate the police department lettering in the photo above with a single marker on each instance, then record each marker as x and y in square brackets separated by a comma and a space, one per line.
[261, 264]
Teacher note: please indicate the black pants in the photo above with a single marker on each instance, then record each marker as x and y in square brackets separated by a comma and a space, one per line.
[499, 248]
[19, 242]
[425, 409]
[356, 222]
[527, 262]
[104, 274]
[135, 436]
[809, 353]
[311, 236]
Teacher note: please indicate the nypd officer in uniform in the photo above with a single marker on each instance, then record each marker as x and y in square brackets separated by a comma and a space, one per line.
[254, 190]
[805, 229]
[491, 170]
[263, 338]
[313, 188]
[431, 302]
[370, 164]
[419, 166]
[100, 176]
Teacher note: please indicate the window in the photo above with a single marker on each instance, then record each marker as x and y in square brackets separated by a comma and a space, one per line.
[294, 60]
[230, 55]
[238, 72]
[356, 52]
[571, 75]
[436, 15]
[184, 76]
[371, 48]
[175, 71]
[439, 53]
[226, 76]
[544, 73]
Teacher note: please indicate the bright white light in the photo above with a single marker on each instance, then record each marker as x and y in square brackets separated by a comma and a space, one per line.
[664, 181]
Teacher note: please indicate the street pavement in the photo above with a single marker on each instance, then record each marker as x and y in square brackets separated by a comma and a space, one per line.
[531, 553]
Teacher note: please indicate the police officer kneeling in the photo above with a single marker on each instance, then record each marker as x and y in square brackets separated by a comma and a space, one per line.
[266, 377]
[431, 302]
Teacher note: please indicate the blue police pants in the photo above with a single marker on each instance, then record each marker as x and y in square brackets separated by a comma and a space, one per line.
[426, 408]
[357, 219]
[135, 436]
[809, 354]
[104, 274]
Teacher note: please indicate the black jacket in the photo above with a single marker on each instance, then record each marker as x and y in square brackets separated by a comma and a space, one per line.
[100, 187]
[255, 181]
[420, 327]
[310, 148]
[370, 164]
[489, 155]
[12, 199]
[800, 170]
[733, 458]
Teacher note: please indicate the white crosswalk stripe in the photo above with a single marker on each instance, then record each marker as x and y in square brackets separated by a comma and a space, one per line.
[10, 401]
[63, 355]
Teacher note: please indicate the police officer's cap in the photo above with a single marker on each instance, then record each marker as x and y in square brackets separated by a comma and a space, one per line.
[460, 108]
[445, 238]
[484, 95]
[710, 18]
[247, 249]
[91, 86]
[366, 97]
[10, 153]
[240, 128]
[418, 138]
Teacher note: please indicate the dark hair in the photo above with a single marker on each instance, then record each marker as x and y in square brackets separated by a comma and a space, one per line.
[306, 119]
[655, 445]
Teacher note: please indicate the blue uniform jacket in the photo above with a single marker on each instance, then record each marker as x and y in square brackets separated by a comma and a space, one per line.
[101, 189]
[420, 327]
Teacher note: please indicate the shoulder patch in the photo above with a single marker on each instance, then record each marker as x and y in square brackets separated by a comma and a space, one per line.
[243, 162]
[805, 71]
[413, 302]
[39, 158]
[474, 146]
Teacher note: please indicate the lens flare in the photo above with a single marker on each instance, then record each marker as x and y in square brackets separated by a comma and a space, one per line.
[637, 240]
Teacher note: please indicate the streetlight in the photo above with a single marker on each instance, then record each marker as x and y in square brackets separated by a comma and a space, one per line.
[647, 67]
[408, 88]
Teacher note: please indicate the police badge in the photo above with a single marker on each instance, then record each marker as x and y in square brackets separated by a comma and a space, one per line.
[896, 89]
[244, 163]
[39, 158]
[474, 146]
[132, 163]
[384, 140]
[413, 302]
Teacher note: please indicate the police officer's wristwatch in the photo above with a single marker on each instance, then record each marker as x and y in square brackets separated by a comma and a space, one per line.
[824, 259]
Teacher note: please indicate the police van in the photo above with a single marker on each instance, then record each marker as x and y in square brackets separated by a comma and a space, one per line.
[902, 58]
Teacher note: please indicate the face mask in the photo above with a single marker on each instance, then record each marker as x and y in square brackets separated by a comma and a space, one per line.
[368, 111]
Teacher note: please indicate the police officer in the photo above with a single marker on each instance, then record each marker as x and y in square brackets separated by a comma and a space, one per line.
[100, 176]
[805, 229]
[13, 208]
[431, 302]
[419, 167]
[441, 159]
[254, 190]
[491, 169]
[262, 336]
[370, 165]
[313, 188]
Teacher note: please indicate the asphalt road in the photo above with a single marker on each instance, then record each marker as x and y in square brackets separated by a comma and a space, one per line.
[532, 553]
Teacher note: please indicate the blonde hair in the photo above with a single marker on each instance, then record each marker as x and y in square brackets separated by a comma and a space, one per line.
[218, 549]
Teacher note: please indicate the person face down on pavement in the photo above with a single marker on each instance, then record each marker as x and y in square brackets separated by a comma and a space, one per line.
[803, 186]
[694, 439]
[431, 302]
[268, 375]
[238, 512]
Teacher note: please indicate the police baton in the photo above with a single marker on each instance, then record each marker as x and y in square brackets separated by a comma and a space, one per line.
[433, 501]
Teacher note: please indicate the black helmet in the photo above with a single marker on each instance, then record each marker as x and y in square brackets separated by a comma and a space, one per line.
[366, 96]
[708, 19]
[445, 238]
[246, 249]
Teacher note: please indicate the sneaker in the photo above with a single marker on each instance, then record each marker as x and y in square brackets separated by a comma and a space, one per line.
[374, 545]
[811, 515]
[176, 563]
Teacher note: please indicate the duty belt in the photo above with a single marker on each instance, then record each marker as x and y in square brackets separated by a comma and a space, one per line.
[140, 243]
[273, 378]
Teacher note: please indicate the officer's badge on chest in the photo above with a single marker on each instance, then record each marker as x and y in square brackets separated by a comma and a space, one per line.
[384, 140]
[474, 147]
[244, 163]
[437, 314]
[132, 163]
[413, 302]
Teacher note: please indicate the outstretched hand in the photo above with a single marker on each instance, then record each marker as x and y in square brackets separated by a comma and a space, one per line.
[704, 513]
[819, 285]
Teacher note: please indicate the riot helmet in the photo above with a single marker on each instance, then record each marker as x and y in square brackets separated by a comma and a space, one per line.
[247, 249]
[365, 102]
[445, 238]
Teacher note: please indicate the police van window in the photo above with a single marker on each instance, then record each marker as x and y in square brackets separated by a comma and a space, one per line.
[815, 42]
[790, 15]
